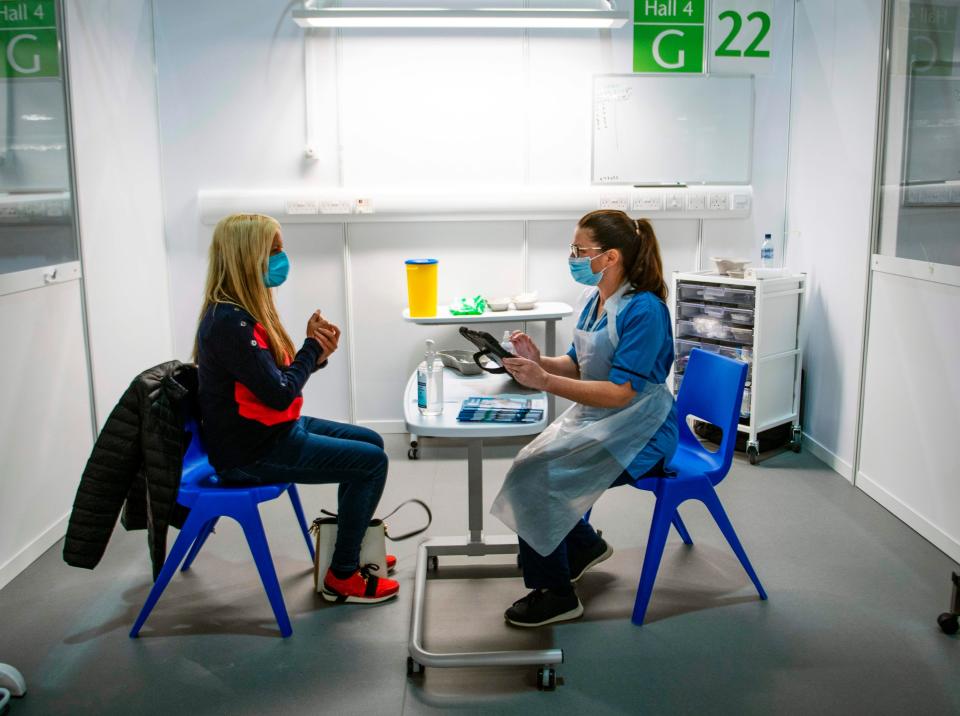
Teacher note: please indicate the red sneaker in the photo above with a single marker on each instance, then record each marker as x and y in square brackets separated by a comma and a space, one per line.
[361, 587]
[391, 563]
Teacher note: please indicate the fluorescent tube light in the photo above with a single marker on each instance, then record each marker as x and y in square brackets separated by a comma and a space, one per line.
[455, 18]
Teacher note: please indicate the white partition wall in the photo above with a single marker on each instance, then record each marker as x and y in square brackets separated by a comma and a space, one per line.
[116, 140]
[45, 426]
[832, 145]
[908, 460]
[908, 457]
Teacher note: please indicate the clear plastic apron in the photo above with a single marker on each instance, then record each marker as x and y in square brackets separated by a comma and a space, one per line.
[557, 477]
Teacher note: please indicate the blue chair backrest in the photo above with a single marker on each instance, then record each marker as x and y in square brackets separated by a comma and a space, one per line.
[197, 470]
[712, 390]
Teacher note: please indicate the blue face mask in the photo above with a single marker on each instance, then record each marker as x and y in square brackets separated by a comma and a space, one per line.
[582, 272]
[277, 269]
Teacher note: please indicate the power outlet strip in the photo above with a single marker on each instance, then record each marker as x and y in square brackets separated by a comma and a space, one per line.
[696, 202]
[719, 202]
[648, 202]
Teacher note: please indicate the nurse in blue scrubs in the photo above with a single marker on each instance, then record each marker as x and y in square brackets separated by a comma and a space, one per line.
[621, 428]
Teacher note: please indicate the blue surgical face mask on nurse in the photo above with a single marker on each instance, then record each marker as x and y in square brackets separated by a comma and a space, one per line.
[582, 271]
[278, 266]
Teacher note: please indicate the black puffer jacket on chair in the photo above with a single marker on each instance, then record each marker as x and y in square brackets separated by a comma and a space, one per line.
[135, 464]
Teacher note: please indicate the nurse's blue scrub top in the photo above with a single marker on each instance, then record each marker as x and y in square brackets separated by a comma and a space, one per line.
[644, 354]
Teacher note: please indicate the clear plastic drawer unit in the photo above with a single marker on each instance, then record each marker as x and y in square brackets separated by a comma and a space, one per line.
[756, 321]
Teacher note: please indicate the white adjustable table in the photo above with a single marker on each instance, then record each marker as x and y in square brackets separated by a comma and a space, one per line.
[456, 388]
[547, 311]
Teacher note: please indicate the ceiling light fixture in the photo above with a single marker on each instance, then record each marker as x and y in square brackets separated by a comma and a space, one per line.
[602, 15]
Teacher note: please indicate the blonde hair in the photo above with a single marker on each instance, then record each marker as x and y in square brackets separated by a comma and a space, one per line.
[239, 254]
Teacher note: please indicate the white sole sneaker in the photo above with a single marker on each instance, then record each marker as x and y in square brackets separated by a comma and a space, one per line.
[602, 558]
[341, 599]
[575, 613]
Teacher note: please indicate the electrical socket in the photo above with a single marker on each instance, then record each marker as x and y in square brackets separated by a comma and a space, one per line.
[719, 202]
[302, 206]
[675, 201]
[612, 202]
[335, 206]
[648, 202]
[696, 202]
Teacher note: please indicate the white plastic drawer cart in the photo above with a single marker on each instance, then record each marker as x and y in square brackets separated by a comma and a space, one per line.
[753, 320]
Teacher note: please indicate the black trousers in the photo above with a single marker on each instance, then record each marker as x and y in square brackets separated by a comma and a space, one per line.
[553, 571]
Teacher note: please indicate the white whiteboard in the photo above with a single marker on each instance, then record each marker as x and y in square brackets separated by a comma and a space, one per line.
[670, 130]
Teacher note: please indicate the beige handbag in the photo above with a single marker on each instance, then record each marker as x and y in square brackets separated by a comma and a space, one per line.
[373, 549]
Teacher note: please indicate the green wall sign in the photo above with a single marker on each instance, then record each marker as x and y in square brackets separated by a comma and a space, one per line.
[28, 39]
[668, 35]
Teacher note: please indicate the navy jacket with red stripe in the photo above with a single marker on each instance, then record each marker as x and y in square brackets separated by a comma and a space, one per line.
[246, 401]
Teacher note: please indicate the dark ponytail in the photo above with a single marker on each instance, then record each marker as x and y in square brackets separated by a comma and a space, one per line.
[637, 244]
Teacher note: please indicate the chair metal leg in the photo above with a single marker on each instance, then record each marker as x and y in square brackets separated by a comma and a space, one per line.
[712, 502]
[663, 514]
[298, 508]
[191, 529]
[205, 532]
[681, 528]
[257, 539]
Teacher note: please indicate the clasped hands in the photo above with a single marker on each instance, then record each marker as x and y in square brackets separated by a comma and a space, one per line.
[325, 333]
[526, 368]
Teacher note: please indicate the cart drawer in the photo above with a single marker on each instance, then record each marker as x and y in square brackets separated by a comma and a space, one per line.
[709, 327]
[684, 347]
[725, 294]
[734, 316]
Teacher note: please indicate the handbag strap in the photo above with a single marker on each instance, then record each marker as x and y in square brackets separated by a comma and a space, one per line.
[413, 533]
[398, 538]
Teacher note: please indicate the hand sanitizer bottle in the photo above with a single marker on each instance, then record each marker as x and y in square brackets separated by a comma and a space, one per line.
[766, 252]
[430, 383]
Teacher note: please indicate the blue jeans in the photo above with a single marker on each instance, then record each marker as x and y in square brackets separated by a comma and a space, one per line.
[317, 452]
[553, 571]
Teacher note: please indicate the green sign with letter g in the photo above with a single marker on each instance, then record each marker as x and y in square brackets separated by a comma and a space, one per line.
[668, 35]
[28, 39]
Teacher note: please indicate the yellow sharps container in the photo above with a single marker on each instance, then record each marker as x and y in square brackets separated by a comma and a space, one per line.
[422, 287]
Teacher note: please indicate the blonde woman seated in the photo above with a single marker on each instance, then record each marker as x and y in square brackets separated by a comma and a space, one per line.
[251, 381]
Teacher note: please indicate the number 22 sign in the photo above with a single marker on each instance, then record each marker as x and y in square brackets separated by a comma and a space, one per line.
[740, 36]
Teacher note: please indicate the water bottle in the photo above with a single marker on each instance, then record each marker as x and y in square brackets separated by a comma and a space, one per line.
[766, 252]
[430, 383]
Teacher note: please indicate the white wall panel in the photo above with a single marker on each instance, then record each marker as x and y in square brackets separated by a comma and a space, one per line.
[833, 136]
[45, 429]
[116, 144]
[769, 173]
[908, 459]
[484, 257]
[316, 282]
[432, 108]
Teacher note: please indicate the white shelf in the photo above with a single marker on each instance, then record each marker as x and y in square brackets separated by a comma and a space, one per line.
[543, 311]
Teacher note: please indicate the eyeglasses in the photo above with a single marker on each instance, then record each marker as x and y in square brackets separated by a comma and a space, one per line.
[576, 251]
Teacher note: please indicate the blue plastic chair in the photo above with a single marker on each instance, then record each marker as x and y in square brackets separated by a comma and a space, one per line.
[712, 389]
[208, 502]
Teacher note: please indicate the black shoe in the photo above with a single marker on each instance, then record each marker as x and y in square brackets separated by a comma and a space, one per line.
[544, 606]
[580, 562]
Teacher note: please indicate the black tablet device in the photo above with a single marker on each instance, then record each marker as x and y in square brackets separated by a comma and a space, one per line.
[489, 346]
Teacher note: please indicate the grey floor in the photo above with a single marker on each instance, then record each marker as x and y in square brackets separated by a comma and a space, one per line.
[849, 627]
